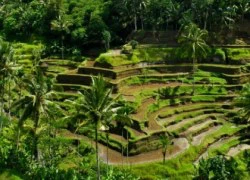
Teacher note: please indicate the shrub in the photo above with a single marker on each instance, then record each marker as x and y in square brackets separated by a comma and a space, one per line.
[127, 49]
[134, 44]
[220, 54]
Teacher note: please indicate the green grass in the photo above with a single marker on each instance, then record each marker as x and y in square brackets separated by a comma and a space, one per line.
[192, 107]
[224, 148]
[153, 54]
[60, 62]
[117, 60]
[149, 54]
[156, 54]
[9, 175]
[24, 48]
[57, 69]
[192, 122]
[198, 90]
[139, 80]
[180, 117]
[238, 53]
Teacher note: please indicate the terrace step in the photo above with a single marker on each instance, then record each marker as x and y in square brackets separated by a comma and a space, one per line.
[60, 62]
[190, 115]
[196, 140]
[214, 146]
[191, 124]
[132, 71]
[74, 79]
[189, 107]
[70, 87]
[237, 78]
[237, 149]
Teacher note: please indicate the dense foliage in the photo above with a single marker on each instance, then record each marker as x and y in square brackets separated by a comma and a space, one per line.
[80, 22]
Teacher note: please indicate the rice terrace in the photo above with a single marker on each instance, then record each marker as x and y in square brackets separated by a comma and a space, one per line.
[124, 89]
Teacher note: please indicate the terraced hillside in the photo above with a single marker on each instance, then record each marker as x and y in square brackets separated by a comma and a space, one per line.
[195, 112]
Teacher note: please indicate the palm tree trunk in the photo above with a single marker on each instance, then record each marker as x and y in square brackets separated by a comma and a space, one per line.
[205, 23]
[122, 148]
[107, 136]
[2, 105]
[62, 46]
[127, 147]
[135, 22]
[9, 98]
[18, 137]
[98, 177]
[35, 138]
[142, 22]
[164, 157]
[194, 60]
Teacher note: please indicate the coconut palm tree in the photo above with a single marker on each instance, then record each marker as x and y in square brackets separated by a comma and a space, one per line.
[123, 119]
[61, 25]
[8, 69]
[35, 104]
[192, 40]
[97, 103]
[244, 8]
[108, 124]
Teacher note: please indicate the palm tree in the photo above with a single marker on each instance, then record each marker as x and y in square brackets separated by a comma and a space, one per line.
[243, 101]
[192, 40]
[35, 104]
[244, 8]
[97, 102]
[164, 142]
[107, 125]
[61, 24]
[8, 69]
[124, 119]
[202, 170]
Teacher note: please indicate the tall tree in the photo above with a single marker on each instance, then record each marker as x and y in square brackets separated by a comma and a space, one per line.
[35, 104]
[123, 119]
[8, 68]
[61, 25]
[192, 40]
[97, 103]
[243, 8]
[202, 9]
[107, 38]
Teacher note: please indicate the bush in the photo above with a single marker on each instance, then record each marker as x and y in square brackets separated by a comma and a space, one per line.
[134, 44]
[218, 55]
[127, 49]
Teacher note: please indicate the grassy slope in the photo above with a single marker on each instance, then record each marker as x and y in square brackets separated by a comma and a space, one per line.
[154, 54]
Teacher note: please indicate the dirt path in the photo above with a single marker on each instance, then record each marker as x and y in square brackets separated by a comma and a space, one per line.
[198, 139]
[135, 89]
[186, 121]
[237, 149]
[198, 126]
[115, 158]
